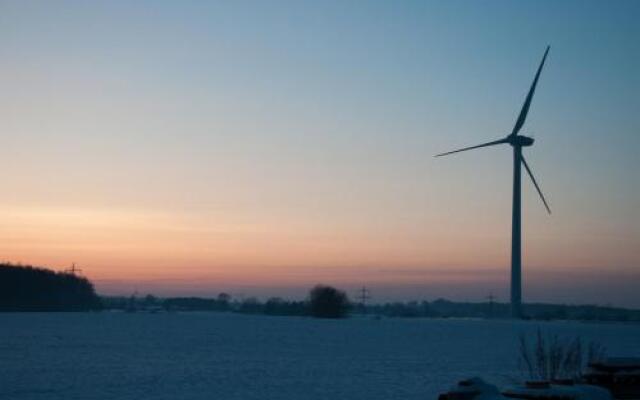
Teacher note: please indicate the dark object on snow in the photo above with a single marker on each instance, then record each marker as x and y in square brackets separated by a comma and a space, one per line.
[537, 384]
[477, 389]
[472, 389]
[544, 390]
[620, 375]
[328, 302]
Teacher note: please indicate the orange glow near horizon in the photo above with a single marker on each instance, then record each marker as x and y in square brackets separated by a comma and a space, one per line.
[138, 245]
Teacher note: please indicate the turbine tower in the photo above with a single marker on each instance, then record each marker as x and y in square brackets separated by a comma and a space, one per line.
[517, 142]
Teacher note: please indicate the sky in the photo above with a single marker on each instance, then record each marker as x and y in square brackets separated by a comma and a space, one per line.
[258, 148]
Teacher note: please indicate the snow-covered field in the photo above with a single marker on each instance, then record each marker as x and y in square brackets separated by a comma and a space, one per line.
[226, 356]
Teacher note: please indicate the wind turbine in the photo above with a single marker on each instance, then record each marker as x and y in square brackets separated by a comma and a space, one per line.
[517, 142]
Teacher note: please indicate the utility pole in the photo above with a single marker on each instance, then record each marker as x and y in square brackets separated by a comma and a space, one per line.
[363, 296]
[491, 298]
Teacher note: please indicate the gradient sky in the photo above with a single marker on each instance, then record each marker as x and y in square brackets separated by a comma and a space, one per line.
[260, 147]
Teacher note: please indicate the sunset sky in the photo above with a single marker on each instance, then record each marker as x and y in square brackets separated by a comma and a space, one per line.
[260, 147]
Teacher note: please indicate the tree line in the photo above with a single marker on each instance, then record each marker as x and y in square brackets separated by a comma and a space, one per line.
[323, 302]
[439, 308]
[28, 288]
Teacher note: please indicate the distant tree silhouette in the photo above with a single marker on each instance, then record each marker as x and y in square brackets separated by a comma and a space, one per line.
[251, 305]
[224, 300]
[279, 306]
[150, 300]
[195, 304]
[27, 288]
[328, 302]
[274, 306]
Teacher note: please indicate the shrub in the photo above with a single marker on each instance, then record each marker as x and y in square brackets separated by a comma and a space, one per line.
[551, 357]
[328, 302]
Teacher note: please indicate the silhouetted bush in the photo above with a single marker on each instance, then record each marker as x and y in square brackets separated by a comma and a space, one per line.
[26, 288]
[552, 357]
[328, 302]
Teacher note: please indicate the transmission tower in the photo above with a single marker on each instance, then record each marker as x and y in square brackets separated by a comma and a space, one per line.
[73, 270]
[363, 295]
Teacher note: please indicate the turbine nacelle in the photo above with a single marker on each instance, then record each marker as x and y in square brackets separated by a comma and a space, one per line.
[519, 140]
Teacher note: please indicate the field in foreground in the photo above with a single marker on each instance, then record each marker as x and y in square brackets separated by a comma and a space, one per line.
[227, 356]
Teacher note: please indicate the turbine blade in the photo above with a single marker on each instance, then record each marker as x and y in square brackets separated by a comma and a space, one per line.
[525, 107]
[495, 142]
[526, 166]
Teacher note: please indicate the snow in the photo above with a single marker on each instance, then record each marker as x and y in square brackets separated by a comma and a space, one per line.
[576, 392]
[228, 356]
